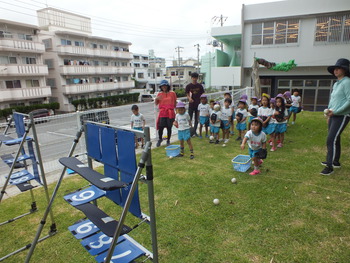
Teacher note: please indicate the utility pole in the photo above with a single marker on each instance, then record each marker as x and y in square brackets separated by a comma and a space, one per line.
[220, 19]
[198, 49]
[178, 50]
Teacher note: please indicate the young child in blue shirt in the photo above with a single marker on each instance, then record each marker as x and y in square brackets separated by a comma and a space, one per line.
[183, 123]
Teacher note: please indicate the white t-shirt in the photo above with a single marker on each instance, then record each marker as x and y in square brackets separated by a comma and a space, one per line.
[272, 120]
[264, 111]
[226, 114]
[255, 141]
[183, 121]
[251, 106]
[137, 120]
[218, 119]
[203, 109]
[244, 112]
[296, 101]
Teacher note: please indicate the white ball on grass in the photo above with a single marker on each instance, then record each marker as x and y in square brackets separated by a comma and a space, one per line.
[216, 201]
[234, 180]
[171, 157]
[211, 137]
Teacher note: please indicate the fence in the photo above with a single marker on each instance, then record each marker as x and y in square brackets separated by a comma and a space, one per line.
[56, 133]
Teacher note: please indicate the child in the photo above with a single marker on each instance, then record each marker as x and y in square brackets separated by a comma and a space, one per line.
[183, 123]
[241, 116]
[211, 105]
[203, 109]
[226, 114]
[296, 104]
[281, 116]
[137, 123]
[215, 121]
[256, 139]
[264, 112]
[254, 105]
[272, 125]
[227, 95]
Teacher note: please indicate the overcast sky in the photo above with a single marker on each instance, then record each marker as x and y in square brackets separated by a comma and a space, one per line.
[155, 24]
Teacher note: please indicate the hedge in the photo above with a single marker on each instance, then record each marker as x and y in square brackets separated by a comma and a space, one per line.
[116, 100]
[26, 109]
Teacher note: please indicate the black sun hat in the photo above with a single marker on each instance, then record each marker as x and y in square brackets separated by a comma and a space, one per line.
[341, 63]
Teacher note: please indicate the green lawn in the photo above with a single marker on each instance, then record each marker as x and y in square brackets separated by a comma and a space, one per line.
[289, 213]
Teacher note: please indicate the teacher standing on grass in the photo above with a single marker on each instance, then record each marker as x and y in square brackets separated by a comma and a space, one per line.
[166, 101]
[338, 113]
[194, 90]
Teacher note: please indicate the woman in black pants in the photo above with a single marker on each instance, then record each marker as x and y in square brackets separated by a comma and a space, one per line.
[338, 113]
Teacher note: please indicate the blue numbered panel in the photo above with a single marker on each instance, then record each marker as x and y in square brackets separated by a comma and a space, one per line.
[22, 179]
[98, 243]
[83, 229]
[84, 196]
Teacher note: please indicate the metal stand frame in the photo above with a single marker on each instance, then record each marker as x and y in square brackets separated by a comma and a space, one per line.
[53, 229]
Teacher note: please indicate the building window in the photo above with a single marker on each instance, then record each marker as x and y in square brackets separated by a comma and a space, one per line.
[137, 65]
[47, 43]
[51, 83]
[25, 37]
[79, 43]
[103, 46]
[275, 32]
[66, 42]
[140, 75]
[158, 74]
[125, 78]
[32, 83]
[4, 60]
[5, 34]
[13, 84]
[124, 64]
[93, 45]
[28, 60]
[333, 29]
[49, 63]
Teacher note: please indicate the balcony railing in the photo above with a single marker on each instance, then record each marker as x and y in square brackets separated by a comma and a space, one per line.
[24, 93]
[92, 70]
[96, 87]
[21, 46]
[84, 51]
[23, 70]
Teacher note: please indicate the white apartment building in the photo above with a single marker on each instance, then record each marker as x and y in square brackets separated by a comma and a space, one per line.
[179, 76]
[22, 71]
[315, 33]
[149, 71]
[81, 65]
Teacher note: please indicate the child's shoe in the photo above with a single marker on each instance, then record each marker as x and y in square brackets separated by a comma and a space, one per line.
[273, 149]
[191, 156]
[159, 142]
[255, 172]
[280, 145]
[226, 141]
[232, 133]
[200, 137]
[271, 143]
[207, 136]
[238, 138]
[293, 122]
[260, 162]
[217, 142]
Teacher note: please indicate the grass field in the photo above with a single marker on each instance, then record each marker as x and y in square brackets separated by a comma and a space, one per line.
[289, 213]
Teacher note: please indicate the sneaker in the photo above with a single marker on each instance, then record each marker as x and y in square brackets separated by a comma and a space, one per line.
[260, 162]
[327, 171]
[335, 164]
[273, 149]
[200, 137]
[226, 141]
[280, 145]
[232, 133]
[217, 142]
[255, 172]
[191, 156]
[167, 143]
[238, 139]
[271, 143]
[207, 136]
[211, 141]
[293, 122]
[158, 143]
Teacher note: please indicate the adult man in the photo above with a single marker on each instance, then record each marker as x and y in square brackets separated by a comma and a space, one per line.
[194, 91]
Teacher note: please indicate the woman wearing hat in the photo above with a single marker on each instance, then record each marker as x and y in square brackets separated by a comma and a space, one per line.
[166, 101]
[338, 113]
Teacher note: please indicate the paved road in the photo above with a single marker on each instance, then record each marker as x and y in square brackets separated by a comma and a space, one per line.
[56, 136]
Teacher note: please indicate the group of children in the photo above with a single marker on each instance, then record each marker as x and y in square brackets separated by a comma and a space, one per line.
[268, 116]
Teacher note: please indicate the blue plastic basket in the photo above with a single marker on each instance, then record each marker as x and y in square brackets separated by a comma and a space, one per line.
[172, 150]
[241, 163]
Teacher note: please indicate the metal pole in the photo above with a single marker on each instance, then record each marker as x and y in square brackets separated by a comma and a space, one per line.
[48, 208]
[143, 159]
[43, 176]
[151, 204]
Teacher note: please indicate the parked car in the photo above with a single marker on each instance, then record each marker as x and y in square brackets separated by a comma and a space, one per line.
[39, 115]
[146, 98]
